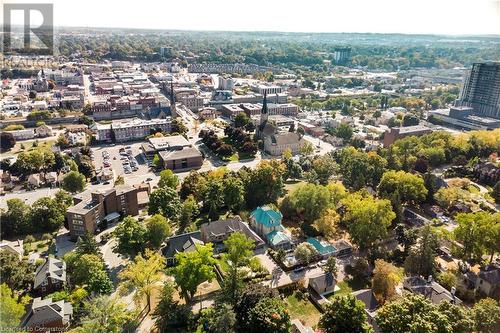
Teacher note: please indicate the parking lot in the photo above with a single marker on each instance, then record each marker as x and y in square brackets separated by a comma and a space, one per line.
[124, 159]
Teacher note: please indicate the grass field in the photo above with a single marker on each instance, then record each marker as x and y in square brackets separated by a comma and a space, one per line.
[28, 145]
[303, 310]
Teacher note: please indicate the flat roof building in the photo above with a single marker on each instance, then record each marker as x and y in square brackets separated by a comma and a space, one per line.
[396, 133]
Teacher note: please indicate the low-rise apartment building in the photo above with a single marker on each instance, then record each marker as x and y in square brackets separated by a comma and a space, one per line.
[89, 213]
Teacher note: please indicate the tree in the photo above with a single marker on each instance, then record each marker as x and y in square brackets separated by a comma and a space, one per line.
[305, 253]
[214, 198]
[327, 223]
[120, 180]
[459, 317]
[234, 193]
[74, 182]
[325, 167]
[309, 201]
[485, 313]
[178, 126]
[7, 140]
[12, 308]
[360, 169]
[16, 220]
[386, 277]
[131, 236]
[307, 148]
[89, 270]
[409, 187]
[410, 120]
[219, 319]
[193, 268]
[194, 184]
[345, 314]
[331, 266]
[17, 274]
[189, 211]
[64, 199]
[447, 279]
[367, 219]
[496, 192]
[239, 252]
[168, 312]
[225, 150]
[479, 233]
[142, 274]
[344, 131]
[104, 314]
[165, 201]
[158, 229]
[269, 316]
[241, 120]
[248, 299]
[421, 259]
[413, 313]
[47, 214]
[87, 244]
[168, 179]
[264, 184]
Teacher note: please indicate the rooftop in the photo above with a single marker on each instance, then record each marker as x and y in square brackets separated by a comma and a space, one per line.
[267, 216]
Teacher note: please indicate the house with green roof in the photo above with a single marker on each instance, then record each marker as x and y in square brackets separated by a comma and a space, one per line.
[266, 222]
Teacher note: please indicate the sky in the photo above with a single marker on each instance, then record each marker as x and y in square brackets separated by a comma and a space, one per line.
[455, 17]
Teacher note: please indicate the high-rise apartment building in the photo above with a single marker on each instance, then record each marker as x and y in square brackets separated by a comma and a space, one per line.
[481, 89]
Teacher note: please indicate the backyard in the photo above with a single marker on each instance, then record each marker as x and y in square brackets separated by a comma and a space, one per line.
[303, 310]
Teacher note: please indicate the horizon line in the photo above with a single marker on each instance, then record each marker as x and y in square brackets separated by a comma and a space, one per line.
[284, 32]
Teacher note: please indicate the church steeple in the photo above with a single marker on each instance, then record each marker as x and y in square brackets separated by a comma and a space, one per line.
[173, 109]
[264, 113]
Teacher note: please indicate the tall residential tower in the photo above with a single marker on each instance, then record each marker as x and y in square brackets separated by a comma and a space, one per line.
[481, 89]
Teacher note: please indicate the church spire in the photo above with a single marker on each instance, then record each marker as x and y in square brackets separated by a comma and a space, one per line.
[173, 110]
[264, 104]
[264, 112]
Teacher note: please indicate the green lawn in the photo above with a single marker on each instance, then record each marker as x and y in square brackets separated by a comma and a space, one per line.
[347, 287]
[292, 185]
[303, 310]
[28, 145]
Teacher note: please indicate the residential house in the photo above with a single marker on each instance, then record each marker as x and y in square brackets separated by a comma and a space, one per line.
[23, 134]
[209, 113]
[487, 172]
[488, 281]
[324, 248]
[34, 180]
[180, 243]
[47, 316]
[430, 289]
[43, 131]
[51, 178]
[50, 276]
[217, 232]
[323, 283]
[15, 247]
[371, 306]
[266, 222]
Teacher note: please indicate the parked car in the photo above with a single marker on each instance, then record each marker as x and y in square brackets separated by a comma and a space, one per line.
[299, 269]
